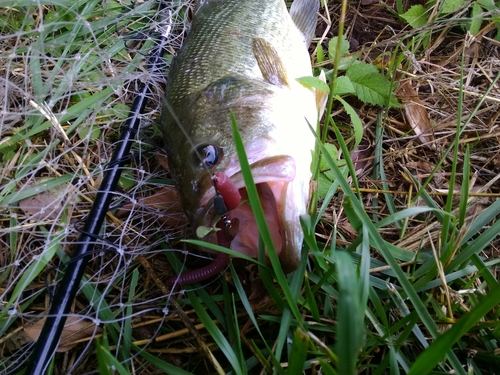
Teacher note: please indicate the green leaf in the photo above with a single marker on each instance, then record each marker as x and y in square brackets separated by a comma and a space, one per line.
[449, 6]
[415, 16]
[489, 5]
[475, 24]
[361, 70]
[314, 82]
[345, 59]
[203, 231]
[333, 47]
[127, 180]
[371, 86]
[324, 184]
[334, 154]
[342, 86]
[93, 132]
[357, 125]
[320, 54]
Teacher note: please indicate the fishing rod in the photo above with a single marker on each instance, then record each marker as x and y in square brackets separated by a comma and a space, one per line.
[50, 334]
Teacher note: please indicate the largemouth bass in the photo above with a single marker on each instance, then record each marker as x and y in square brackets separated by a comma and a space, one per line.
[244, 57]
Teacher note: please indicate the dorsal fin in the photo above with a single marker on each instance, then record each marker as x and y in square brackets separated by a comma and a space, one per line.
[304, 14]
[270, 64]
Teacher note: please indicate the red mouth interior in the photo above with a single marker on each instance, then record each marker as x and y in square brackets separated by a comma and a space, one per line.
[246, 240]
[271, 176]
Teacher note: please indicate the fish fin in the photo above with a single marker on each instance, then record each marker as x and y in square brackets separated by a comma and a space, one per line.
[304, 15]
[270, 63]
[321, 96]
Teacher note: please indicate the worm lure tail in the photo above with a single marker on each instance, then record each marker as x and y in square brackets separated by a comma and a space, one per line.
[227, 198]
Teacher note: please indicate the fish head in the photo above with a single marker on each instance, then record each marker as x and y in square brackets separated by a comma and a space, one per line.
[278, 143]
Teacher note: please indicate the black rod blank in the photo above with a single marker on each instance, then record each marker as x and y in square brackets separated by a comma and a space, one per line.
[50, 334]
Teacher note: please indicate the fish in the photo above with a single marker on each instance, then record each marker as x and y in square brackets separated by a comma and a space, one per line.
[243, 57]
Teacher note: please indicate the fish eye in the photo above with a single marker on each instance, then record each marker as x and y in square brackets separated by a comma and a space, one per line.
[207, 156]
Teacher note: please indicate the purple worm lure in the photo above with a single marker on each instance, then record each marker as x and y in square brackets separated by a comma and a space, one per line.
[227, 198]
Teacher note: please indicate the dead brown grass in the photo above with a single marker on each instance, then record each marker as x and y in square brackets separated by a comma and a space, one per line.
[417, 136]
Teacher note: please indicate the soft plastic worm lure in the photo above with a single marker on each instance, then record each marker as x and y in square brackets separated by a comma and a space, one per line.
[227, 198]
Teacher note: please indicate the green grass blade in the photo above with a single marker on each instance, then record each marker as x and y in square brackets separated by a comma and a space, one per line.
[34, 270]
[237, 338]
[482, 220]
[244, 300]
[403, 214]
[258, 212]
[378, 242]
[433, 354]
[127, 324]
[298, 353]
[347, 156]
[405, 311]
[379, 171]
[350, 325]
[212, 246]
[476, 246]
[217, 335]
[48, 185]
[107, 362]
[464, 190]
[161, 365]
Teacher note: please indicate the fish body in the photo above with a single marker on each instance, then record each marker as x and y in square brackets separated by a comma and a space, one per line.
[244, 56]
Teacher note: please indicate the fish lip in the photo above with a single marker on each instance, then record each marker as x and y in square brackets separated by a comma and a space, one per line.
[278, 168]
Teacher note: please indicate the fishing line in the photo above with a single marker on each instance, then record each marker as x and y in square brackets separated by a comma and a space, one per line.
[225, 229]
[50, 288]
[221, 259]
[50, 334]
[186, 135]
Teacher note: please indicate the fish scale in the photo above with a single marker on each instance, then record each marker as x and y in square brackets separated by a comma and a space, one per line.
[219, 43]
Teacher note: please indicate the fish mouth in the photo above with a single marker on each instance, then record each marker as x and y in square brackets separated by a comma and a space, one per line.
[282, 202]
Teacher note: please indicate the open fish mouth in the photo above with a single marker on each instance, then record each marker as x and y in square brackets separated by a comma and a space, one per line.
[273, 177]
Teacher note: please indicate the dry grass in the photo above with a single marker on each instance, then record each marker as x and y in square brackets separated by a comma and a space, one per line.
[431, 106]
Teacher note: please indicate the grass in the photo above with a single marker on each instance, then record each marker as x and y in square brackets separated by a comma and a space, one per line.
[400, 266]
